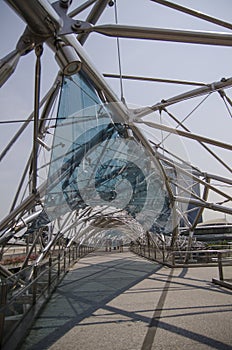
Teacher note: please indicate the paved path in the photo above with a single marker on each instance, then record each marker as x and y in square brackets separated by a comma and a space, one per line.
[118, 301]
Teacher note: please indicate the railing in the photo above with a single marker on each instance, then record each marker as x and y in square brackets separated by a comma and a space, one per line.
[180, 257]
[24, 293]
[221, 258]
[224, 269]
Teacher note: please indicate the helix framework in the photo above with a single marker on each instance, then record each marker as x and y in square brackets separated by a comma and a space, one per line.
[99, 170]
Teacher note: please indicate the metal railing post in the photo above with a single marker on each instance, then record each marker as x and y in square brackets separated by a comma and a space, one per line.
[76, 251]
[58, 270]
[34, 288]
[73, 252]
[220, 266]
[173, 258]
[64, 261]
[69, 255]
[50, 273]
[3, 299]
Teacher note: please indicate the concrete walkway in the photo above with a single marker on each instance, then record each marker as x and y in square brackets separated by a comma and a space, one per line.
[118, 301]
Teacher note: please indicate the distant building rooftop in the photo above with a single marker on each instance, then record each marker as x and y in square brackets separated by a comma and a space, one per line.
[214, 230]
[215, 222]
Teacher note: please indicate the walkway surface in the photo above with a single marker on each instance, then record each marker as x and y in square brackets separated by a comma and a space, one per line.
[119, 301]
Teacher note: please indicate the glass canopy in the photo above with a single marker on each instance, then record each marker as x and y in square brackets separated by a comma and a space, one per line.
[96, 162]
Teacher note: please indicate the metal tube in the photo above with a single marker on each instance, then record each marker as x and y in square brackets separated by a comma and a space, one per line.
[207, 205]
[39, 15]
[96, 77]
[34, 286]
[27, 204]
[93, 17]
[3, 301]
[8, 65]
[38, 51]
[218, 178]
[201, 143]
[194, 13]
[50, 97]
[26, 123]
[175, 231]
[186, 134]
[22, 223]
[119, 107]
[23, 177]
[158, 80]
[200, 210]
[31, 250]
[220, 270]
[198, 180]
[81, 8]
[160, 34]
[224, 83]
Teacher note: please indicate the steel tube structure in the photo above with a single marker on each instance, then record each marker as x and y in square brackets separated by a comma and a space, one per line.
[52, 25]
[119, 107]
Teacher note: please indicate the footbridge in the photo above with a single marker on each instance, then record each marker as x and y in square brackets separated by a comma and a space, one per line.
[105, 177]
[122, 301]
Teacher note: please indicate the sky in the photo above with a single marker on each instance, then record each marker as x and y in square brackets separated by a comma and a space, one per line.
[189, 62]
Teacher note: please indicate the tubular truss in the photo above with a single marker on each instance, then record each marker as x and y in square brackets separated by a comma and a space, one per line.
[170, 197]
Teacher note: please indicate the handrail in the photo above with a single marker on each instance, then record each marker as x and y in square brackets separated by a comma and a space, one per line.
[180, 258]
[25, 301]
[221, 258]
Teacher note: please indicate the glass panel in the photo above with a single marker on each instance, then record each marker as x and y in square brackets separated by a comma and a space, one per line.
[96, 163]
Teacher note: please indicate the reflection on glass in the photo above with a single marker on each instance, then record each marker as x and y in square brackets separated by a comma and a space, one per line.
[95, 163]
